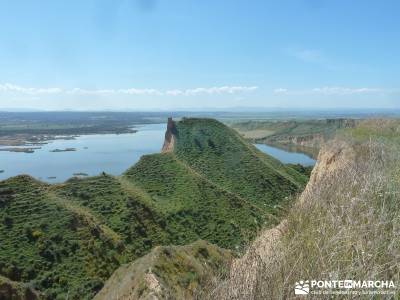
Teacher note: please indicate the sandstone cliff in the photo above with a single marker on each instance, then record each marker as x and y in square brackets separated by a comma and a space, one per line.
[169, 140]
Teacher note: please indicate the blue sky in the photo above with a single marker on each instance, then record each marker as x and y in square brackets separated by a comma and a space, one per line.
[187, 54]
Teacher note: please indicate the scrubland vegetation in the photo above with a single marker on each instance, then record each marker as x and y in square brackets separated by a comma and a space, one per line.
[168, 272]
[66, 240]
[344, 226]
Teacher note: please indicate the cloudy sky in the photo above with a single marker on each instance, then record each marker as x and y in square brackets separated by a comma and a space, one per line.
[189, 54]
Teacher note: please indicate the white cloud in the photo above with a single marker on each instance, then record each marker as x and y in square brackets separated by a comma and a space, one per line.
[79, 91]
[140, 92]
[212, 90]
[174, 92]
[8, 87]
[12, 88]
[131, 91]
[345, 90]
[331, 90]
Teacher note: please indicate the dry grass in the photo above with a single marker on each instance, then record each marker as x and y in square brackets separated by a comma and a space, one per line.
[346, 225]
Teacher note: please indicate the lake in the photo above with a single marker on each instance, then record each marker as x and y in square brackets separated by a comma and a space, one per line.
[94, 154]
[285, 156]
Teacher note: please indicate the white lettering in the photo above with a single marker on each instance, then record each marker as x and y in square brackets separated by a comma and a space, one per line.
[313, 283]
[351, 284]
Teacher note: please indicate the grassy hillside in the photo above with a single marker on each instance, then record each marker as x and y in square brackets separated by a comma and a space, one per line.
[169, 272]
[193, 206]
[344, 226]
[221, 155]
[124, 209]
[65, 240]
[55, 247]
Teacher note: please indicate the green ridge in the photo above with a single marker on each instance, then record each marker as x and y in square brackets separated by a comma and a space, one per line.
[123, 210]
[55, 248]
[179, 272]
[67, 239]
[221, 155]
[194, 207]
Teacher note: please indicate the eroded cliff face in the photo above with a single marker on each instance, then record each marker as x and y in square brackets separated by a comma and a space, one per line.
[244, 273]
[169, 140]
[264, 253]
[334, 157]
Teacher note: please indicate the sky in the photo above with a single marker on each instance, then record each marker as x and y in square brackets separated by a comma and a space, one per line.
[192, 54]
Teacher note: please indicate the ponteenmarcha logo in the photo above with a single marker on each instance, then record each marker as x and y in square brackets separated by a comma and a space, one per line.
[302, 288]
[355, 287]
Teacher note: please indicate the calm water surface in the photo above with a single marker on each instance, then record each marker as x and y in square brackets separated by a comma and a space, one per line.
[110, 153]
[285, 156]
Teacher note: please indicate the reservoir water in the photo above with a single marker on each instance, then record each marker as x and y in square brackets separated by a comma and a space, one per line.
[110, 153]
[285, 156]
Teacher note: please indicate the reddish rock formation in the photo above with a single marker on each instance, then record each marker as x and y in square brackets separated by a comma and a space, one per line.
[169, 137]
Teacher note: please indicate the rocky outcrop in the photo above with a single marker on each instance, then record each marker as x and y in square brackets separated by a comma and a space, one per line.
[264, 253]
[175, 272]
[244, 272]
[169, 140]
[333, 157]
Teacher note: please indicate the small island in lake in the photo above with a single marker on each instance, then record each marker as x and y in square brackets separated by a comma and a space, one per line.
[63, 150]
[22, 150]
